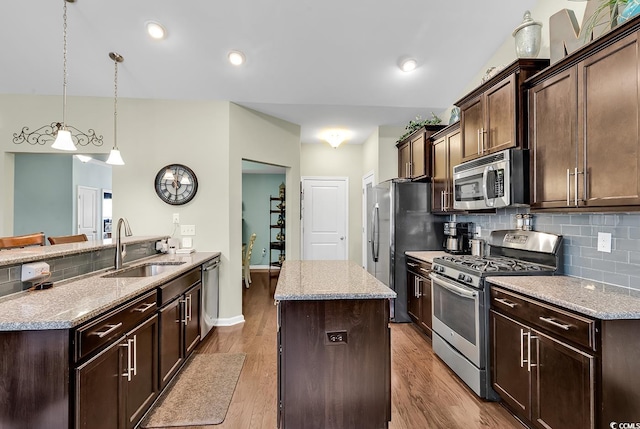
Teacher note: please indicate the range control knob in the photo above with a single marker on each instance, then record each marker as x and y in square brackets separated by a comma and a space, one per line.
[467, 279]
[461, 276]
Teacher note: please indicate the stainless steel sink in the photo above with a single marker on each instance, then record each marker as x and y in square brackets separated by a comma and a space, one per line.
[145, 270]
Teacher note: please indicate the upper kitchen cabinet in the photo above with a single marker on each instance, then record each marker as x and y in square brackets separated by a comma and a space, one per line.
[414, 160]
[446, 152]
[493, 116]
[584, 127]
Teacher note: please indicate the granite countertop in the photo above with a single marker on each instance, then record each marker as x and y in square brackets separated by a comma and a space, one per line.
[326, 280]
[71, 302]
[37, 253]
[588, 297]
[426, 255]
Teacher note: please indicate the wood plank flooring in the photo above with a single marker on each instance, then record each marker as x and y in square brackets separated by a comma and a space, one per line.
[425, 393]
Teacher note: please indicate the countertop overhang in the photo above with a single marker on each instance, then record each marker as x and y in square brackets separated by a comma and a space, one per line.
[72, 302]
[328, 280]
[588, 297]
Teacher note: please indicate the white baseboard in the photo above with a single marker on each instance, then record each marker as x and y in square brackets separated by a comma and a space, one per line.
[229, 321]
[258, 267]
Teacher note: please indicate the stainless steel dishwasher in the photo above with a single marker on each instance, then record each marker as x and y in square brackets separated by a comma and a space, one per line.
[210, 291]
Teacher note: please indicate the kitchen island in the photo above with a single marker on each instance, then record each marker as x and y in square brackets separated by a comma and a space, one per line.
[334, 356]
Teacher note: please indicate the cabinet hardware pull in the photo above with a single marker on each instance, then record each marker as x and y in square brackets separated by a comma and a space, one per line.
[145, 307]
[550, 321]
[108, 331]
[418, 287]
[127, 373]
[479, 149]
[507, 303]
[568, 186]
[135, 355]
[410, 169]
[483, 132]
[411, 264]
[425, 270]
[575, 184]
[529, 363]
[189, 300]
[442, 200]
[522, 361]
[184, 308]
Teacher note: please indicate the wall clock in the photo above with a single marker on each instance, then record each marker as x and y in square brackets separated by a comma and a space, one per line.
[176, 184]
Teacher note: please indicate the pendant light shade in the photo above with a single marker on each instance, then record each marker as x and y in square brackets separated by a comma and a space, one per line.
[63, 141]
[114, 156]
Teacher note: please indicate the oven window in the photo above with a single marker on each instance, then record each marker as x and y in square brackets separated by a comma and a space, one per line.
[455, 311]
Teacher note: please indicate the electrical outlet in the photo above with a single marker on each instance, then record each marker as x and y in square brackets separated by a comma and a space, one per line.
[604, 242]
[478, 230]
[336, 337]
[176, 218]
[264, 251]
[187, 230]
[187, 242]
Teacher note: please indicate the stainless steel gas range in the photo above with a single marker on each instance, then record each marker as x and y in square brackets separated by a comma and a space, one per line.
[461, 298]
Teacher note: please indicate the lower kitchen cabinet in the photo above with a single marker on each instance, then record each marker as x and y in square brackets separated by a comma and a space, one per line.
[179, 323]
[419, 293]
[116, 387]
[544, 381]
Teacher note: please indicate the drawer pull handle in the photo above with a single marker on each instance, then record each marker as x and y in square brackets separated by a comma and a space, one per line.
[145, 307]
[108, 331]
[411, 264]
[550, 321]
[507, 303]
[425, 270]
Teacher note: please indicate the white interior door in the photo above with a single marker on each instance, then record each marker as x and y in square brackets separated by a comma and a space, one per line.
[367, 183]
[88, 212]
[324, 218]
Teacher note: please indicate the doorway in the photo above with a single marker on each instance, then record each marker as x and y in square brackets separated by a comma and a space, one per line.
[88, 212]
[325, 216]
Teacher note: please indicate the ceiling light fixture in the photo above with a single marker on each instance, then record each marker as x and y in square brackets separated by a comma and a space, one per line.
[114, 156]
[156, 31]
[65, 136]
[408, 65]
[335, 138]
[236, 58]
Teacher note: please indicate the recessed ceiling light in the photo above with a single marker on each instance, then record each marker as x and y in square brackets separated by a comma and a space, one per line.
[236, 58]
[155, 30]
[408, 65]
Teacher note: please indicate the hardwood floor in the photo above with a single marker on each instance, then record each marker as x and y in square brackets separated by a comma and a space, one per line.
[425, 393]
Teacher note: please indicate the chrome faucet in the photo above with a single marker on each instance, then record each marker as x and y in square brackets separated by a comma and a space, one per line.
[121, 249]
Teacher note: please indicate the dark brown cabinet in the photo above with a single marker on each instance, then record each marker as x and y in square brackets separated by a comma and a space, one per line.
[446, 152]
[419, 293]
[414, 154]
[585, 131]
[179, 319]
[493, 116]
[334, 364]
[543, 362]
[116, 387]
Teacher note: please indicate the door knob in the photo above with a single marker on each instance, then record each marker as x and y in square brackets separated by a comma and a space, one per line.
[341, 238]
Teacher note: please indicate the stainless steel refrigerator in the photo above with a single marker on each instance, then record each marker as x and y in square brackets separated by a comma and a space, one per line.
[399, 219]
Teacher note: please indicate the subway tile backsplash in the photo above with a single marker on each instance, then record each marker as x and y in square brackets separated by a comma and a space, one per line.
[73, 266]
[621, 267]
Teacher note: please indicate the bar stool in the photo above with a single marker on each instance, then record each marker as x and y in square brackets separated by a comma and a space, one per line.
[35, 239]
[78, 238]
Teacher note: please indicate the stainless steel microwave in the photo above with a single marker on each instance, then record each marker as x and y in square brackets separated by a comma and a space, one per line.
[497, 180]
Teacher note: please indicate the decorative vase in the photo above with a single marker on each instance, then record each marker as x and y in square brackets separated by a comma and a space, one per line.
[632, 9]
[528, 37]
[455, 115]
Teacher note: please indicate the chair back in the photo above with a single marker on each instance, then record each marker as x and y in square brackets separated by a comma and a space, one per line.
[247, 258]
[78, 238]
[35, 239]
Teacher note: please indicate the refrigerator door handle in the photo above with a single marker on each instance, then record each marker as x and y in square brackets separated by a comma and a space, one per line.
[375, 233]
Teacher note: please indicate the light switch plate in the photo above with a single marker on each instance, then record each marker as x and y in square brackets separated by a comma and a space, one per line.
[604, 242]
[187, 230]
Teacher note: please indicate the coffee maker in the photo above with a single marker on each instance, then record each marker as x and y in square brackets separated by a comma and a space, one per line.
[457, 236]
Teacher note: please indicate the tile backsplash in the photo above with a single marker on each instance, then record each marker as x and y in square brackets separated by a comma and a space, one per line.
[621, 267]
[73, 265]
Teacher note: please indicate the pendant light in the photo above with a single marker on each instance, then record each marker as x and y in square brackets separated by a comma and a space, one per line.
[63, 139]
[114, 156]
[66, 136]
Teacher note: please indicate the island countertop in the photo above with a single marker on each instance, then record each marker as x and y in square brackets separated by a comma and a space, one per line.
[71, 302]
[328, 280]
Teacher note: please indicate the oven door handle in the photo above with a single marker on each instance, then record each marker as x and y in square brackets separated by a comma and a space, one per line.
[458, 290]
[485, 178]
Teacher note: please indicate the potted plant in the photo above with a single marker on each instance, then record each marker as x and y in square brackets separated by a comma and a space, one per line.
[611, 13]
[419, 123]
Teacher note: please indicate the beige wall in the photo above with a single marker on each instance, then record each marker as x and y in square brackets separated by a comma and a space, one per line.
[506, 53]
[210, 137]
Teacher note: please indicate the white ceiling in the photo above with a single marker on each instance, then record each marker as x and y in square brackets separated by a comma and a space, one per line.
[319, 64]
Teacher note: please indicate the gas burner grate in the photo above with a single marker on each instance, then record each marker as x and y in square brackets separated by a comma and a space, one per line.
[492, 263]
